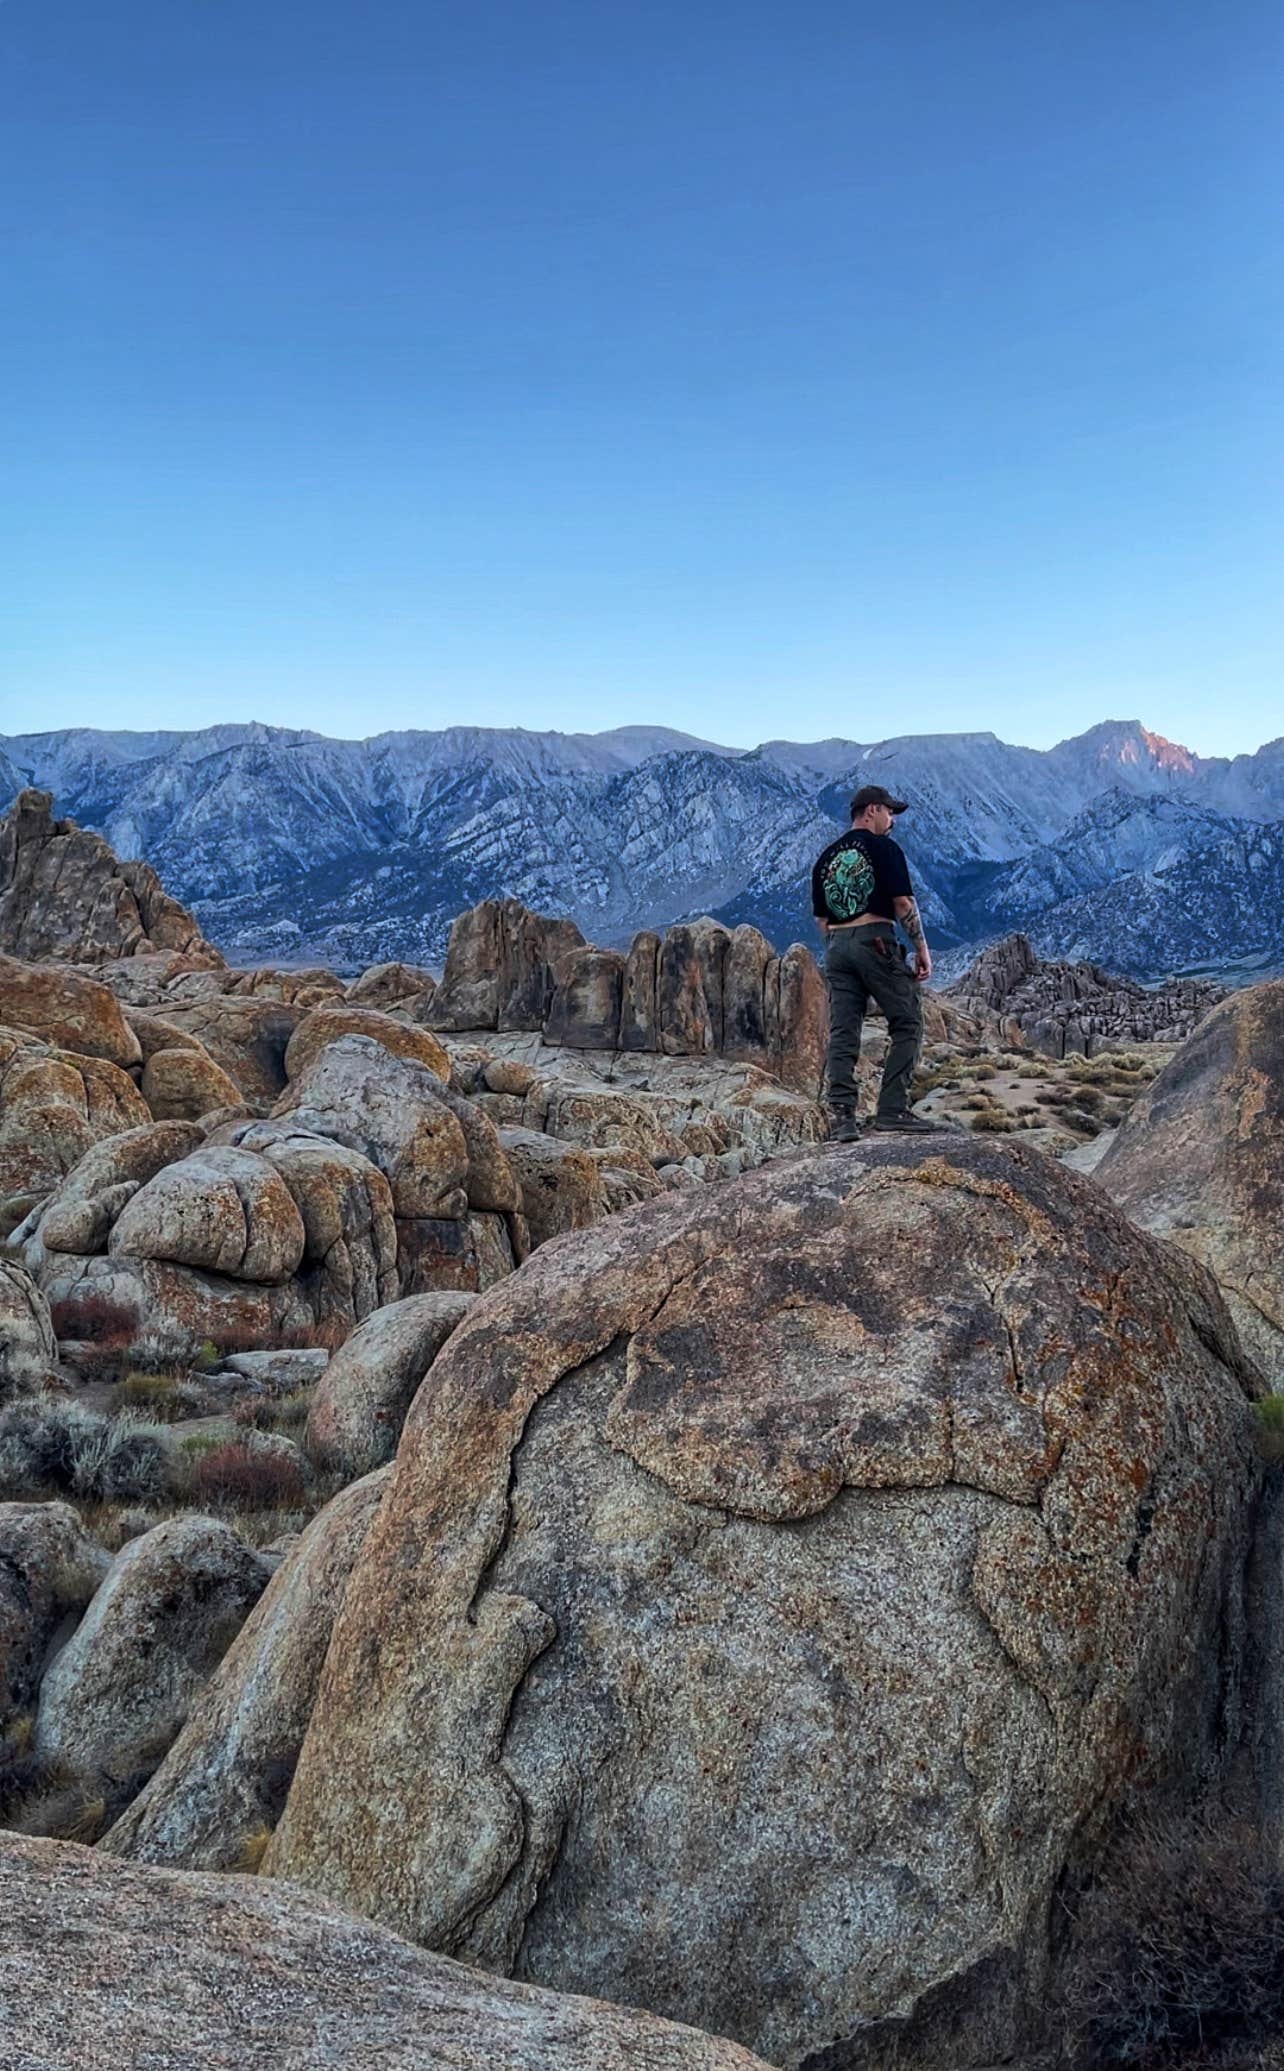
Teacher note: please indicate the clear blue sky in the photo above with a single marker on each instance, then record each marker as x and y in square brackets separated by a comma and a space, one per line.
[785, 369]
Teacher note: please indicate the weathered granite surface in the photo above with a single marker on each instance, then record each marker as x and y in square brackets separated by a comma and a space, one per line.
[1200, 1160]
[109, 1964]
[64, 893]
[779, 1585]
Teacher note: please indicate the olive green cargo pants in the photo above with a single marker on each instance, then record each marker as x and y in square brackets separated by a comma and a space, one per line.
[858, 972]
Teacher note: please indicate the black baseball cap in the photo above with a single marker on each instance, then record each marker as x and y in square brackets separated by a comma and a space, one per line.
[874, 794]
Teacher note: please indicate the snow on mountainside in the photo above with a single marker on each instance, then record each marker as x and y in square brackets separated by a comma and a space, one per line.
[289, 844]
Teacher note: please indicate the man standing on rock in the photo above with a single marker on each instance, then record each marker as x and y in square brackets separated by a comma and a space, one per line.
[860, 889]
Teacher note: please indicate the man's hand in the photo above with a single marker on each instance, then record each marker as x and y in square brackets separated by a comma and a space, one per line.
[922, 964]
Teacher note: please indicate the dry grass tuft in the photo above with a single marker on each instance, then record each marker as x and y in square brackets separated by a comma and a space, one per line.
[253, 1849]
[1178, 1951]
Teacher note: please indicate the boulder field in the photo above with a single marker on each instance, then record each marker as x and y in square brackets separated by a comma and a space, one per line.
[779, 1588]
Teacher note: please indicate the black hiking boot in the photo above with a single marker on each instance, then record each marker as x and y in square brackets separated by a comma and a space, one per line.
[844, 1128]
[912, 1125]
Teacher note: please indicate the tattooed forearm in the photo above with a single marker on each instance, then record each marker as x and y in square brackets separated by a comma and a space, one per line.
[908, 916]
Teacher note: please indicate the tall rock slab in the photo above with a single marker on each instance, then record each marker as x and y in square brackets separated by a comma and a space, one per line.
[1200, 1160]
[757, 1629]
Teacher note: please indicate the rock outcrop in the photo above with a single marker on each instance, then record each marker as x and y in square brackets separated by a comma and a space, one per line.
[285, 1231]
[758, 1627]
[225, 1779]
[28, 1351]
[1068, 1009]
[1200, 1160]
[387, 985]
[105, 1964]
[171, 1604]
[49, 1568]
[64, 1009]
[246, 1037]
[503, 966]
[325, 1025]
[355, 1416]
[700, 990]
[221, 1209]
[54, 1106]
[181, 1082]
[390, 1108]
[64, 893]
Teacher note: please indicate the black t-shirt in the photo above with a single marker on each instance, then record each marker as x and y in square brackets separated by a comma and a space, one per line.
[860, 873]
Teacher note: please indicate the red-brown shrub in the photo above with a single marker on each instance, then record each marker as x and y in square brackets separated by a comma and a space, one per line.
[239, 1478]
[94, 1318]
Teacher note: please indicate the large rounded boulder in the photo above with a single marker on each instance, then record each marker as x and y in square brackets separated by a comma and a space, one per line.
[779, 1586]
[109, 1964]
[169, 1608]
[1200, 1160]
[360, 1403]
[221, 1209]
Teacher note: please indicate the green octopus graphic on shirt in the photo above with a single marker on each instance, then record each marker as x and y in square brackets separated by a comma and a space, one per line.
[848, 883]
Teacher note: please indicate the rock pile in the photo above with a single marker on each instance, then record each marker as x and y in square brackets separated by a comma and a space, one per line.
[699, 990]
[756, 1628]
[1074, 1009]
[64, 893]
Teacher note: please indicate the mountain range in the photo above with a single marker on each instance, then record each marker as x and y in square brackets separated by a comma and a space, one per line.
[1115, 845]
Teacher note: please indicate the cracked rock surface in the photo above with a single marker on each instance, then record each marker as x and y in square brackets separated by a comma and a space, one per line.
[779, 1586]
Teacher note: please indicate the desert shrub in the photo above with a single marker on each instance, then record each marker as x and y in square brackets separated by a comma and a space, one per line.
[928, 1081]
[166, 1398]
[985, 1071]
[1179, 1949]
[233, 1476]
[1034, 1068]
[977, 1100]
[283, 1413]
[63, 1811]
[994, 1120]
[126, 1460]
[49, 1444]
[1268, 1418]
[206, 1357]
[39, 1440]
[98, 1326]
